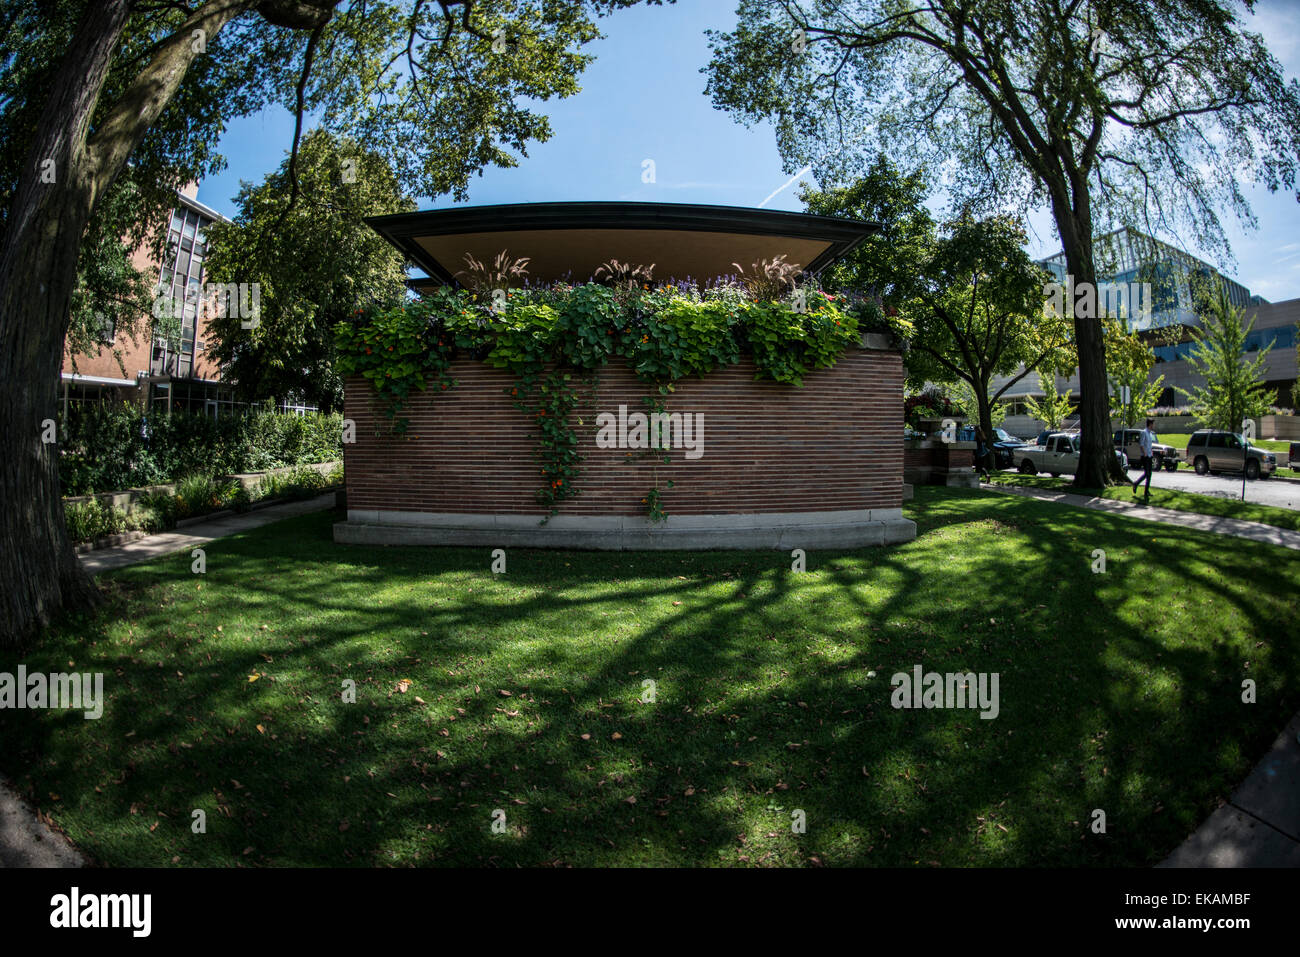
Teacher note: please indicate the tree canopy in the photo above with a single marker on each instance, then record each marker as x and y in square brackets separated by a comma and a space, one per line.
[967, 289]
[1108, 112]
[96, 93]
[1234, 389]
[315, 266]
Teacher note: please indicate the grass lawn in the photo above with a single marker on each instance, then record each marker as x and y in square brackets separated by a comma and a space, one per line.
[1118, 691]
[1164, 498]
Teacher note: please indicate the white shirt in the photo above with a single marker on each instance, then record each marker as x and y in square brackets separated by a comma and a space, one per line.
[1146, 438]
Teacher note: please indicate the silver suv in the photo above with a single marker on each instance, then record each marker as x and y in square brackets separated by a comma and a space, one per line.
[1212, 450]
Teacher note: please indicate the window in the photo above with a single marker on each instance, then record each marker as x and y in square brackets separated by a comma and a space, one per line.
[105, 328]
[1218, 441]
[183, 273]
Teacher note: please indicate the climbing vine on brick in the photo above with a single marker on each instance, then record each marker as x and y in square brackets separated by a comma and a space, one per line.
[555, 339]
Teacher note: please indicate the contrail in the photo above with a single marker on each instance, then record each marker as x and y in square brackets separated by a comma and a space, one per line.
[786, 185]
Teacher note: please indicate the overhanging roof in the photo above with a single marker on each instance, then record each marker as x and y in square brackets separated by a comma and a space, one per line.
[572, 239]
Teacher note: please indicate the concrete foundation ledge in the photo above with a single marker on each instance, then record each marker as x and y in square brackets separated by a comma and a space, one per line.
[785, 531]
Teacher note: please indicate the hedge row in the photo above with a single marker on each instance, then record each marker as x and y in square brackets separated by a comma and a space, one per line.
[107, 448]
[196, 494]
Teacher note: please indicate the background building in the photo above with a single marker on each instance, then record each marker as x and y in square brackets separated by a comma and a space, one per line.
[1128, 256]
[160, 375]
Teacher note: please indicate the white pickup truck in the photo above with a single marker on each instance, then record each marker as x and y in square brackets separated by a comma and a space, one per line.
[1059, 455]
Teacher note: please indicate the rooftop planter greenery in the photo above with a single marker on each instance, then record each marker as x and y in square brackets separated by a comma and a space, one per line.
[555, 339]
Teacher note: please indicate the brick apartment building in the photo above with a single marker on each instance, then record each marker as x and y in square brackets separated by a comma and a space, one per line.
[157, 376]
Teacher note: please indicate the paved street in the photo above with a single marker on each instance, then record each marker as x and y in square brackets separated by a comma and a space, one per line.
[1261, 492]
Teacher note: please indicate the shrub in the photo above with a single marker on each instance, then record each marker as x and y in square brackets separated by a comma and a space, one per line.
[302, 482]
[91, 520]
[154, 513]
[115, 447]
[200, 493]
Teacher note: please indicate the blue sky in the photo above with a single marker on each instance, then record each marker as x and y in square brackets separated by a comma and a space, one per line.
[643, 98]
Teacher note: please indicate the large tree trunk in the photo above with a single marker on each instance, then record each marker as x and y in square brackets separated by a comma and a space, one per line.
[38, 269]
[1097, 466]
[66, 172]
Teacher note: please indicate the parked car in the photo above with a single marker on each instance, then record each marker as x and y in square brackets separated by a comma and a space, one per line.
[1046, 434]
[1214, 450]
[1293, 455]
[1004, 445]
[1004, 448]
[1163, 456]
[1058, 455]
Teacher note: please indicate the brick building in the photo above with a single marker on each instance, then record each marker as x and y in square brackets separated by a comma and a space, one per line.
[150, 371]
[786, 467]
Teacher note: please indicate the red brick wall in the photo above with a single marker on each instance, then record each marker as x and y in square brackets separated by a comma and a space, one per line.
[939, 457]
[833, 444]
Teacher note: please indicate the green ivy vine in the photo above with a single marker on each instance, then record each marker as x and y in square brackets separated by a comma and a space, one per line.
[556, 339]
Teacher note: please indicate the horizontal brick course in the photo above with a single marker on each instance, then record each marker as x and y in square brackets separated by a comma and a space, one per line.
[834, 443]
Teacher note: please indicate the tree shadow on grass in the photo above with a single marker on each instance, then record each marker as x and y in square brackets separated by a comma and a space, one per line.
[771, 696]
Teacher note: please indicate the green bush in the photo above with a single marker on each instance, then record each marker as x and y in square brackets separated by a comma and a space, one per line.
[116, 447]
[91, 520]
[154, 513]
[199, 494]
[196, 494]
[302, 482]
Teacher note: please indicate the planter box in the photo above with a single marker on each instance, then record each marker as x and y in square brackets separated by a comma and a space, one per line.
[780, 464]
[1283, 427]
[127, 499]
[931, 461]
[1178, 424]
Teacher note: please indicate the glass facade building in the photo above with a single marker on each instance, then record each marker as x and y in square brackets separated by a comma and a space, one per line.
[1127, 256]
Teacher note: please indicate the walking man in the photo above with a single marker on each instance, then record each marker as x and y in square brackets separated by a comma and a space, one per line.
[1146, 439]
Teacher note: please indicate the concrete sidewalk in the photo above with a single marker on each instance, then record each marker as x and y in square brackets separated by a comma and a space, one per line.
[1260, 824]
[1235, 527]
[26, 841]
[118, 556]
